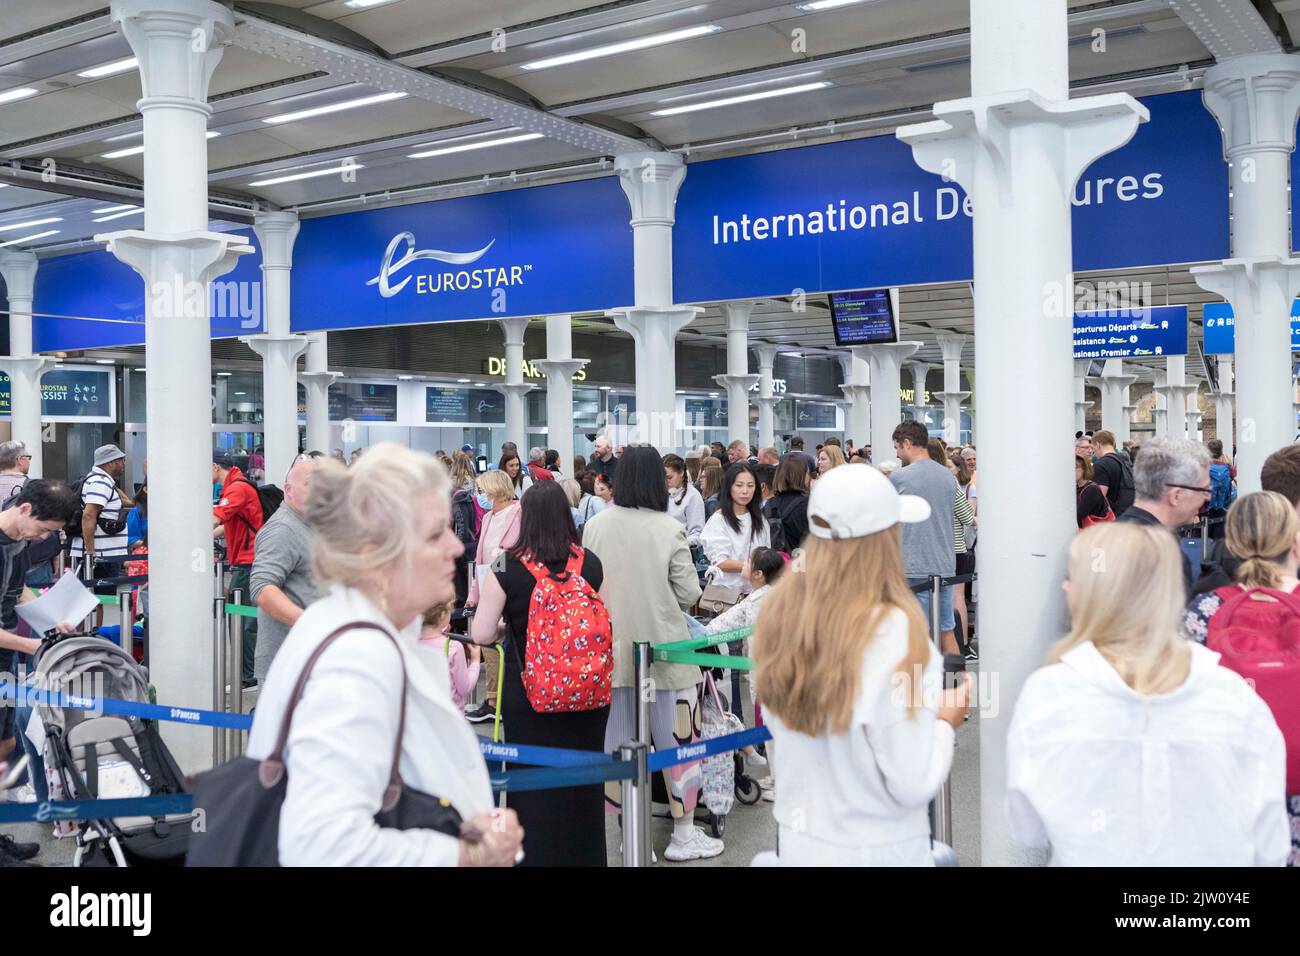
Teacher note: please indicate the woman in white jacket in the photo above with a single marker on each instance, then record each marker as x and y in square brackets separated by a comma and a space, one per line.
[851, 685]
[386, 550]
[736, 528]
[1133, 747]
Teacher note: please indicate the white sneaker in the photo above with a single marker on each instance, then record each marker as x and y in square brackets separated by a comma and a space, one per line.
[698, 846]
[768, 787]
[24, 794]
[767, 782]
[757, 759]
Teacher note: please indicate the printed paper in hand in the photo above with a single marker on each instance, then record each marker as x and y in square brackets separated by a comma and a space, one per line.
[68, 602]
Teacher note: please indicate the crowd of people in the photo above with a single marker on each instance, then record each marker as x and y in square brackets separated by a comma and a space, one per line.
[1173, 680]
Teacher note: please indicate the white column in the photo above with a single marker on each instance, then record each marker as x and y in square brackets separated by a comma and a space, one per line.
[1114, 399]
[316, 379]
[650, 181]
[1223, 410]
[1256, 99]
[276, 232]
[23, 368]
[515, 388]
[738, 380]
[1175, 392]
[1081, 406]
[178, 44]
[857, 393]
[918, 371]
[1160, 414]
[886, 407]
[560, 366]
[1017, 145]
[767, 398]
[952, 395]
[1192, 409]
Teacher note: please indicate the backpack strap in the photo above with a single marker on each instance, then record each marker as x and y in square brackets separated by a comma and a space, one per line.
[272, 767]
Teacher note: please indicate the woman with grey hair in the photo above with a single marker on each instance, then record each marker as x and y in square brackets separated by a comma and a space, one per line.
[375, 711]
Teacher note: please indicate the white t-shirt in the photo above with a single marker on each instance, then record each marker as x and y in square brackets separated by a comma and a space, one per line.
[100, 489]
[869, 786]
[720, 544]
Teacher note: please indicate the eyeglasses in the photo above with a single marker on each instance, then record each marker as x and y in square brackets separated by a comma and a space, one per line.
[21, 457]
[1196, 488]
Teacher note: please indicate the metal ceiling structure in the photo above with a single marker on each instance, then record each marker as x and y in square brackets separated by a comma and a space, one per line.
[462, 73]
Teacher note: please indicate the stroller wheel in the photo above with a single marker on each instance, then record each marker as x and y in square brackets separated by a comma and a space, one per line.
[748, 792]
[717, 824]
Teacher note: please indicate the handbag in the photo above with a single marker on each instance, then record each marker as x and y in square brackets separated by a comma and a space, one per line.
[717, 598]
[241, 800]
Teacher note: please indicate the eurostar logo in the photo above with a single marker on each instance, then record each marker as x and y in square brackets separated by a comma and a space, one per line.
[388, 267]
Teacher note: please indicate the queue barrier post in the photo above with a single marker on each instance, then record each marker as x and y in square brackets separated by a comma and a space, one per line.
[645, 692]
[942, 799]
[636, 805]
[218, 675]
[126, 625]
[236, 674]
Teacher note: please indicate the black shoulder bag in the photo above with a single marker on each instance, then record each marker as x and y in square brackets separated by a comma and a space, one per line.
[241, 800]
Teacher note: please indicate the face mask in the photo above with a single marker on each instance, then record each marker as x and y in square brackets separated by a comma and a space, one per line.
[484, 502]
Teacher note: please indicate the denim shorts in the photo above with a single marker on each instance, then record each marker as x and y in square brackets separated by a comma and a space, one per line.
[947, 622]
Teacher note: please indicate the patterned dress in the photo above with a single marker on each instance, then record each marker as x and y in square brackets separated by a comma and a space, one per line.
[1195, 625]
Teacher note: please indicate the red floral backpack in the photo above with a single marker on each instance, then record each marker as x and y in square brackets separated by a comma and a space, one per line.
[569, 662]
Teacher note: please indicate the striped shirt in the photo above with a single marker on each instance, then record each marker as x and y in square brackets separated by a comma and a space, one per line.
[962, 515]
[100, 489]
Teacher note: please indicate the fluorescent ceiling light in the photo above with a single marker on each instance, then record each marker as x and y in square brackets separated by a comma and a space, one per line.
[241, 393]
[139, 370]
[121, 136]
[743, 98]
[625, 46]
[100, 212]
[465, 147]
[225, 374]
[103, 361]
[119, 215]
[108, 69]
[405, 378]
[39, 235]
[604, 388]
[812, 6]
[463, 381]
[334, 107]
[479, 384]
[136, 150]
[365, 4]
[18, 93]
[30, 222]
[311, 175]
[743, 86]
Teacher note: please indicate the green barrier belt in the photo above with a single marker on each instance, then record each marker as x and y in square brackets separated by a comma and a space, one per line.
[730, 662]
[711, 640]
[107, 598]
[241, 610]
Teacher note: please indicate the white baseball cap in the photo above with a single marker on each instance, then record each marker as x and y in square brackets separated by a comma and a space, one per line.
[853, 501]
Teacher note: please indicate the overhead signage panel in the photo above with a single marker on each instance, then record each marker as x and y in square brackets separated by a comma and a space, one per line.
[861, 213]
[73, 393]
[1131, 333]
[1220, 328]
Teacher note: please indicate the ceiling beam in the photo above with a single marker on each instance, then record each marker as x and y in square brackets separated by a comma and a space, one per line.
[1227, 27]
[271, 39]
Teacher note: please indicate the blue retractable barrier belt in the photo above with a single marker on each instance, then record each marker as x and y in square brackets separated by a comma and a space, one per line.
[688, 753]
[128, 708]
[48, 812]
[540, 756]
[552, 777]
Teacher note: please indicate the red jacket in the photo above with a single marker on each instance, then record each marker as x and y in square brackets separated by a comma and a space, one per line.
[540, 472]
[240, 510]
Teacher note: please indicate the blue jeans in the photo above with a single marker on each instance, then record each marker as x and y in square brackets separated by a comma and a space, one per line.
[947, 621]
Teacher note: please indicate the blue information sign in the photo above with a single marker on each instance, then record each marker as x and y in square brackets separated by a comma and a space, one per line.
[1127, 333]
[71, 394]
[1220, 329]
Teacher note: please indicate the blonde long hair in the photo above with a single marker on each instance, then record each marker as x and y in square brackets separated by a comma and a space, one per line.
[1261, 530]
[817, 623]
[1126, 597]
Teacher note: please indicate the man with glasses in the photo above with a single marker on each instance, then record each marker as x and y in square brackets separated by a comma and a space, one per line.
[281, 582]
[1172, 482]
[14, 462]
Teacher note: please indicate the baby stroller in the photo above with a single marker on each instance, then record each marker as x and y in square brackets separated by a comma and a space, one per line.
[96, 756]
